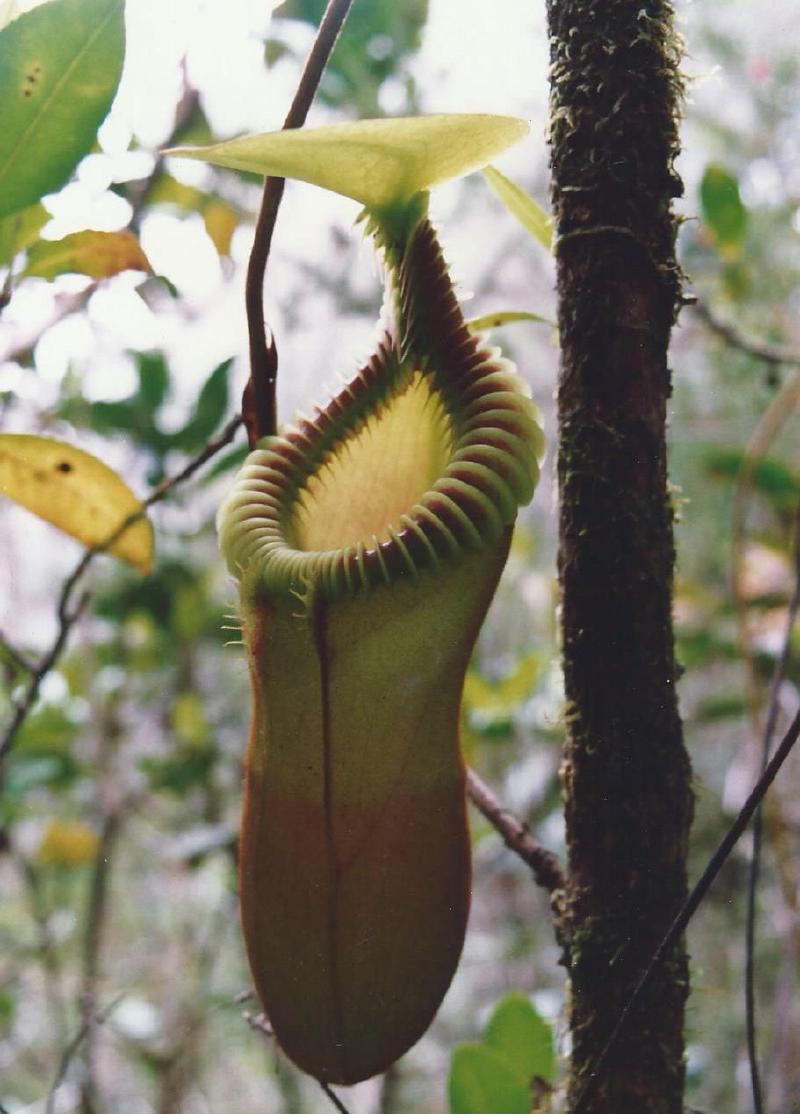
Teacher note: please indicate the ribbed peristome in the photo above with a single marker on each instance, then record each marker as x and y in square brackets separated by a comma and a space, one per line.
[434, 413]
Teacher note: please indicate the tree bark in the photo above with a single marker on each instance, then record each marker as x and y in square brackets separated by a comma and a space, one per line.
[615, 91]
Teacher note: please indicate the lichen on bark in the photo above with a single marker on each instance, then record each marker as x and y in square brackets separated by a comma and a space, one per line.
[615, 97]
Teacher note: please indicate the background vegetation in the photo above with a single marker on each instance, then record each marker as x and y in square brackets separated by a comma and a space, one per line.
[120, 799]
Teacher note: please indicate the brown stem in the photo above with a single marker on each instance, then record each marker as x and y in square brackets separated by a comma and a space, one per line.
[614, 109]
[516, 836]
[259, 404]
[761, 349]
[593, 1076]
[773, 709]
[96, 917]
[72, 1048]
[334, 1098]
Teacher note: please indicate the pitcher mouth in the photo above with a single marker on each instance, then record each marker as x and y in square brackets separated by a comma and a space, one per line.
[418, 460]
[446, 484]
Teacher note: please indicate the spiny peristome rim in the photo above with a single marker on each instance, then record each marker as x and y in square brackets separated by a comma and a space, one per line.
[476, 444]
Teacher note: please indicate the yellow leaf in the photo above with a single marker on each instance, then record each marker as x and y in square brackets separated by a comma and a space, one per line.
[521, 205]
[97, 254]
[20, 229]
[188, 718]
[167, 190]
[220, 221]
[507, 693]
[381, 163]
[76, 492]
[505, 317]
[67, 843]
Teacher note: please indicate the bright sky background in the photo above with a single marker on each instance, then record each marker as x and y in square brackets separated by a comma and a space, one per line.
[475, 57]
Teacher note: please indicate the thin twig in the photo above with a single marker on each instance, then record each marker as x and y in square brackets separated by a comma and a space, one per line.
[263, 354]
[139, 191]
[516, 835]
[48, 951]
[211, 447]
[761, 349]
[769, 425]
[74, 1045]
[68, 612]
[337, 1102]
[258, 1022]
[96, 917]
[690, 906]
[758, 827]
[18, 659]
[67, 618]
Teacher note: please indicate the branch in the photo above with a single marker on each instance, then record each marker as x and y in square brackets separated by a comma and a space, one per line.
[72, 1048]
[15, 657]
[69, 612]
[516, 835]
[337, 1102]
[67, 619]
[258, 1022]
[690, 906]
[260, 395]
[46, 946]
[758, 824]
[96, 915]
[762, 350]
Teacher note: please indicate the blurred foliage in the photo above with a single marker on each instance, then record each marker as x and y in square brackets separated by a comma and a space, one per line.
[137, 416]
[721, 206]
[380, 37]
[60, 56]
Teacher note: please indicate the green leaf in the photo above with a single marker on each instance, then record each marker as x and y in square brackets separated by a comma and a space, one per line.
[178, 773]
[523, 1038]
[481, 1082]
[770, 477]
[75, 492]
[97, 254]
[18, 230]
[505, 317]
[720, 706]
[107, 417]
[380, 37]
[8, 1006]
[61, 67]
[208, 412]
[722, 207]
[153, 380]
[381, 163]
[521, 205]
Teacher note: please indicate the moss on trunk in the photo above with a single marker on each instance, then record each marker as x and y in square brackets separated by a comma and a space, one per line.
[614, 109]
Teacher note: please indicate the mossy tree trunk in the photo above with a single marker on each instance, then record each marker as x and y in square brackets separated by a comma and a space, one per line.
[614, 110]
